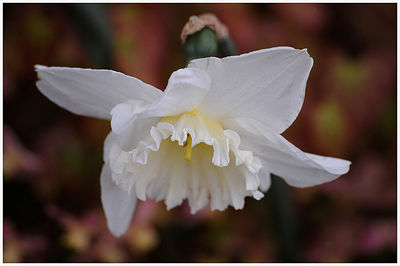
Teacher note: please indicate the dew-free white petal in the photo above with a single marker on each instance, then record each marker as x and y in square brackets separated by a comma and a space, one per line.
[108, 142]
[280, 157]
[267, 85]
[92, 92]
[265, 179]
[118, 204]
[185, 91]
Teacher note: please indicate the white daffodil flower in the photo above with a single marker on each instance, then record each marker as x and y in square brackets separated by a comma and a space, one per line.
[212, 135]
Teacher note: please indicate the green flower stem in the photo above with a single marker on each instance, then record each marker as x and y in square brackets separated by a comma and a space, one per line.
[93, 27]
[284, 219]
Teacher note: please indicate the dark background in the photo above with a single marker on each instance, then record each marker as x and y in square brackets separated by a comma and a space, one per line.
[52, 159]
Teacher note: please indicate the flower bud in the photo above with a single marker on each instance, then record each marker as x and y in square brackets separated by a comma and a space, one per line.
[200, 44]
[226, 47]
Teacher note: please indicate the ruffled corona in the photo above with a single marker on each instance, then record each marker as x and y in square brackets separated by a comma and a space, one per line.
[188, 156]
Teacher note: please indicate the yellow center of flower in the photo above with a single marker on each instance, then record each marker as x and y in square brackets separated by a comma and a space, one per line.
[196, 120]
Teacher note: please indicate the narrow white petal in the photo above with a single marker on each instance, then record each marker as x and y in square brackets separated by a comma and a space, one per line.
[118, 204]
[92, 92]
[267, 85]
[280, 157]
[185, 90]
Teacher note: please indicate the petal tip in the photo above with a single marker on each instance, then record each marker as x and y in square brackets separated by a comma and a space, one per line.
[116, 232]
[346, 166]
[305, 52]
[257, 195]
[39, 67]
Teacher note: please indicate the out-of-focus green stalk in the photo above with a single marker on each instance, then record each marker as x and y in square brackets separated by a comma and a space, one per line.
[284, 219]
[92, 25]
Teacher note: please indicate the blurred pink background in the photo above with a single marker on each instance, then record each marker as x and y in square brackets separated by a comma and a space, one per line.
[52, 159]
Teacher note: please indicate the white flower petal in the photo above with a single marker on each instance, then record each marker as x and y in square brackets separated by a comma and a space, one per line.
[258, 195]
[129, 131]
[121, 114]
[125, 113]
[159, 166]
[265, 179]
[118, 204]
[135, 132]
[108, 142]
[280, 157]
[267, 85]
[185, 90]
[92, 92]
